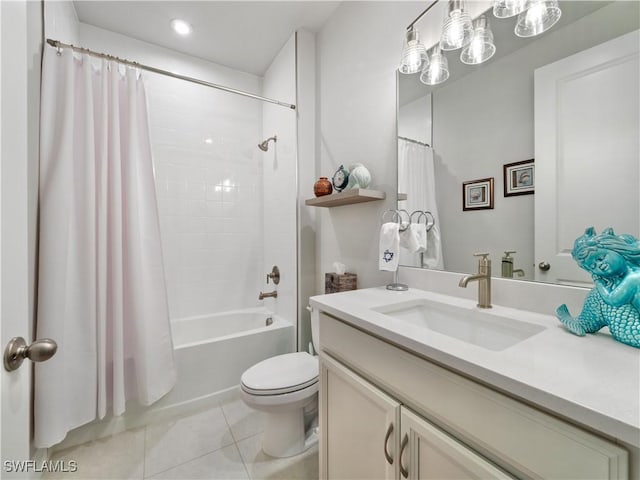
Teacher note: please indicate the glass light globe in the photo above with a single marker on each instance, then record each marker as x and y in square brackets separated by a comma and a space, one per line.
[414, 54]
[481, 47]
[539, 17]
[508, 8]
[457, 28]
[437, 71]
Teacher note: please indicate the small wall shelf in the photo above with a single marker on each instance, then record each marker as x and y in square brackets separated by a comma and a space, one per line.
[356, 195]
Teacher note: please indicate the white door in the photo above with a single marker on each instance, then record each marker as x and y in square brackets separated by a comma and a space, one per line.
[15, 148]
[360, 425]
[428, 453]
[587, 150]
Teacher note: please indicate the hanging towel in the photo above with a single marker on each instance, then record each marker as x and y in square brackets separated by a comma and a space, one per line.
[420, 233]
[408, 238]
[433, 256]
[389, 246]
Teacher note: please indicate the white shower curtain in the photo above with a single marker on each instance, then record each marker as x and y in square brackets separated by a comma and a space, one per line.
[416, 178]
[101, 285]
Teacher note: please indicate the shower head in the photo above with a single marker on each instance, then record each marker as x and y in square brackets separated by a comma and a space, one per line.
[264, 146]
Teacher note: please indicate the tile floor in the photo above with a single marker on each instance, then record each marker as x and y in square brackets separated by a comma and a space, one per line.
[222, 442]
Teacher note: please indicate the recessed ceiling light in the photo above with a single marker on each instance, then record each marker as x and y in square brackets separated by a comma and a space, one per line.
[180, 26]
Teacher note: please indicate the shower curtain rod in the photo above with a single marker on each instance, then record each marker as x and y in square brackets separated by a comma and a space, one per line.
[58, 44]
[414, 141]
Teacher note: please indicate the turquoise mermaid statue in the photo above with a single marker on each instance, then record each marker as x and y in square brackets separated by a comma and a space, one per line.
[614, 263]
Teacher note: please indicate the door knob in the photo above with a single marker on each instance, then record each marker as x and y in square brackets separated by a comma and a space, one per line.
[544, 266]
[17, 350]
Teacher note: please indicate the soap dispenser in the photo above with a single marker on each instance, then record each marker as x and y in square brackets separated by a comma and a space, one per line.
[507, 264]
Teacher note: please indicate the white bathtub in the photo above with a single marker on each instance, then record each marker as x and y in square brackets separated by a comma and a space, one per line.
[211, 352]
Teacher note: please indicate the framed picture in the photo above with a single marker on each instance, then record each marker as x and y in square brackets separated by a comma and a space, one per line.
[477, 194]
[519, 178]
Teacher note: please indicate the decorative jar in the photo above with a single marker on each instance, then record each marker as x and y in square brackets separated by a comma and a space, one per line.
[322, 187]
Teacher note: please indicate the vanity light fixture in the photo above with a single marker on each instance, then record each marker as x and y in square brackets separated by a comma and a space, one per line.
[457, 28]
[476, 38]
[181, 27]
[414, 54]
[481, 47]
[539, 16]
[437, 71]
[508, 8]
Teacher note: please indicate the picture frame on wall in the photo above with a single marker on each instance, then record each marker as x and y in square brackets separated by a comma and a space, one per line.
[519, 178]
[477, 194]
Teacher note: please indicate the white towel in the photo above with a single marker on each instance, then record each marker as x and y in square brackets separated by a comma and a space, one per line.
[408, 238]
[433, 257]
[420, 232]
[389, 246]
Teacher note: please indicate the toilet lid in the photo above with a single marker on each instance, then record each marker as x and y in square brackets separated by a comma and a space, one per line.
[281, 374]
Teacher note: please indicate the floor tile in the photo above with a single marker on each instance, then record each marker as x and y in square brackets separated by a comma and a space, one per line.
[262, 466]
[120, 456]
[172, 443]
[243, 420]
[222, 464]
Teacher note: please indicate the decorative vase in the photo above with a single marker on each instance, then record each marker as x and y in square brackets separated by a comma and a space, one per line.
[322, 187]
[340, 178]
[359, 176]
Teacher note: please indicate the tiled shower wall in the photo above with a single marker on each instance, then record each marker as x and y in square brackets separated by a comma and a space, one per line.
[208, 177]
[209, 187]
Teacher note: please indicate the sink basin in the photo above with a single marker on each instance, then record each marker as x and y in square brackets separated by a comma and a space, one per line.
[484, 329]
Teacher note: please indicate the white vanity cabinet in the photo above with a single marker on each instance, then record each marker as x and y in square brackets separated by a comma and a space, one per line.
[386, 413]
[370, 435]
[361, 431]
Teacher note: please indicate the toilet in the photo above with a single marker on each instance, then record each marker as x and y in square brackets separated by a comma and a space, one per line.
[285, 389]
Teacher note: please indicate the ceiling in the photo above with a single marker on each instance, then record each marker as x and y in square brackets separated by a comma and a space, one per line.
[244, 35]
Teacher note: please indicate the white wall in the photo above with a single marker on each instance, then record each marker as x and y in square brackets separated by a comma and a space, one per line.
[356, 108]
[358, 51]
[61, 21]
[209, 194]
[306, 113]
[280, 181]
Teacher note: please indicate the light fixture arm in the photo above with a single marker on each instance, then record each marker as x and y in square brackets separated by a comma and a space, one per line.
[422, 14]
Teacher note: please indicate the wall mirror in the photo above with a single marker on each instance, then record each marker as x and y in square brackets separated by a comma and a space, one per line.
[556, 116]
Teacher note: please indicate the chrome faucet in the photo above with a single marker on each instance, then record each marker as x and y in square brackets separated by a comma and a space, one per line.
[273, 294]
[484, 280]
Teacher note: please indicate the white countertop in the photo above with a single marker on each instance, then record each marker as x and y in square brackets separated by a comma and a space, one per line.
[592, 380]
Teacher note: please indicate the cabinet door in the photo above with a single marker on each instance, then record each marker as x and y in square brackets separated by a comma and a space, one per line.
[359, 426]
[428, 453]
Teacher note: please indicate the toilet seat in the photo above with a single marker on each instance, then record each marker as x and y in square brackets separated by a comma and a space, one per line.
[280, 375]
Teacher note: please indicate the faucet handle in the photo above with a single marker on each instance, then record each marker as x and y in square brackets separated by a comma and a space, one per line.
[483, 260]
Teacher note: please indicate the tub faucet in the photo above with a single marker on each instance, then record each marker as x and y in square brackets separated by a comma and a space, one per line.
[484, 280]
[273, 294]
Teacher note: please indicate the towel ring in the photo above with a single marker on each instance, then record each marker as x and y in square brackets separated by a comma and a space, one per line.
[396, 217]
[433, 220]
[420, 215]
[404, 225]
